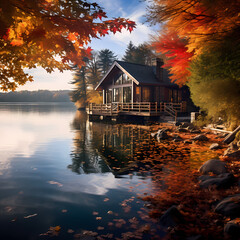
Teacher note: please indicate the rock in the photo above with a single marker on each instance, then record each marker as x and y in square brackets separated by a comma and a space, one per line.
[162, 135]
[221, 181]
[177, 138]
[232, 228]
[235, 154]
[182, 130]
[213, 166]
[178, 124]
[200, 137]
[171, 218]
[229, 207]
[187, 141]
[214, 146]
[238, 144]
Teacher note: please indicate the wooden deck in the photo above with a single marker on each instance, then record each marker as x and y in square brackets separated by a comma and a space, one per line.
[136, 109]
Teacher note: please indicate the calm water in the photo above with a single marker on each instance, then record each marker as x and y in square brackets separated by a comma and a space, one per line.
[57, 169]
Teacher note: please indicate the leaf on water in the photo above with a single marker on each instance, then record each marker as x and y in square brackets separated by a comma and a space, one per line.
[64, 210]
[98, 218]
[70, 231]
[110, 212]
[55, 183]
[106, 199]
[95, 213]
[57, 228]
[100, 228]
[30, 216]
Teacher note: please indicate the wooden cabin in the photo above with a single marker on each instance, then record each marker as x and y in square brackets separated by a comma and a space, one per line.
[135, 89]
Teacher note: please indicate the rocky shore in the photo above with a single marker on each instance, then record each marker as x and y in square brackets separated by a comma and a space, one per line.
[212, 194]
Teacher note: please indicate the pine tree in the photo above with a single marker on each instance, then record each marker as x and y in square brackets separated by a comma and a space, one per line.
[79, 94]
[129, 53]
[106, 59]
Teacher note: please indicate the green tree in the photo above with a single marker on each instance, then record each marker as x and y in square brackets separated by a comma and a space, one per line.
[106, 59]
[94, 71]
[129, 53]
[215, 79]
[79, 94]
[141, 54]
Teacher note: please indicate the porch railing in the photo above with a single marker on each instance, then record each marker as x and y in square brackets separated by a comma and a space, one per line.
[114, 108]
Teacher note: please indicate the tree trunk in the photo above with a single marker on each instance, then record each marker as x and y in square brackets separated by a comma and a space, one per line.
[230, 137]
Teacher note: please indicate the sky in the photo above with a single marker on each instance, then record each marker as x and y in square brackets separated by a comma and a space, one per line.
[132, 9]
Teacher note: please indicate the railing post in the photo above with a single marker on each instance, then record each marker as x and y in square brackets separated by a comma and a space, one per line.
[111, 109]
[156, 106]
[149, 104]
[139, 105]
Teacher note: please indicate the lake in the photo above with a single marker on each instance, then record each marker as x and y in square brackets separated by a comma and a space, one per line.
[62, 175]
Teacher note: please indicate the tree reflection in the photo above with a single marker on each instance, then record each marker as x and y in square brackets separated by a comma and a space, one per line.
[99, 147]
[85, 158]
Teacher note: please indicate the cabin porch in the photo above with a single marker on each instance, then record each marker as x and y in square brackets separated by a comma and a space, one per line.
[146, 109]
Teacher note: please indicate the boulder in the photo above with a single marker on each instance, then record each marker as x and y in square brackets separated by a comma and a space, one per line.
[229, 207]
[162, 135]
[182, 130]
[214, 166]
[200, 137]
[224, 180]
[215, 146]
[232, 228]
[171, 218]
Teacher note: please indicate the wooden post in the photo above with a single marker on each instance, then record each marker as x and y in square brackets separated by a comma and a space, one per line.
[149, 107]
[156, 105]
[139, 107]
[111, 109]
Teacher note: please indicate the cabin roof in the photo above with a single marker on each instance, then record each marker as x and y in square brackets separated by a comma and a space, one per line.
[140, 74]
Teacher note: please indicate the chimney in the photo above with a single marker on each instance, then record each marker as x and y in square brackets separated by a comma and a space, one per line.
[157, 64]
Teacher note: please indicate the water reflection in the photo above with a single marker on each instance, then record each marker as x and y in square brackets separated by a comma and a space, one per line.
[100, 147]
[85, 159]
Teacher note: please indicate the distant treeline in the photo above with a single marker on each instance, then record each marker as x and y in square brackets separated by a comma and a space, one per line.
[36, 96]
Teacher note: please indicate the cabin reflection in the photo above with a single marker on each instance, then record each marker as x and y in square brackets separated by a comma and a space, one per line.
[100, 147]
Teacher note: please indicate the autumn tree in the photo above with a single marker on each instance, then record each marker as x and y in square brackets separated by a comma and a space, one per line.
[106, 59]
[48, 34]
[194, 24]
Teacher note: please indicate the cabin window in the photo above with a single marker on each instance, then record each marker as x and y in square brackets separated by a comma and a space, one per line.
[127, 94]
[146, 94]
[117, 95]
[118, 80]
[138, 94]
[126, 79]
[109, 95]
